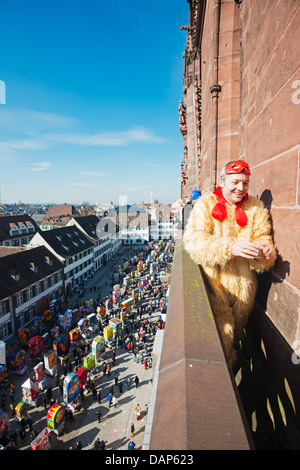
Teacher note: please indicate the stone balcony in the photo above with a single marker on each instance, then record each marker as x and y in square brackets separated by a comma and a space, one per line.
[197, 404]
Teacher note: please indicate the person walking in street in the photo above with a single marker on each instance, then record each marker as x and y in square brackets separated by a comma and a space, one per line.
[128, 382]
[114, 401]
[109, 399]
[137, 381]
[138, 412]
[99, 414]
[97, 443]
[78, 446]
[131, 445]
[132, 429]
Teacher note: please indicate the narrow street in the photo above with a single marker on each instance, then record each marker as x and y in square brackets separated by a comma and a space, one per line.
[115, 423]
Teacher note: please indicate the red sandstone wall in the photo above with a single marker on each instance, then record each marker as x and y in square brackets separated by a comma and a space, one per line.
[258, 119]
[270, 138]
[229, 97]
[229, 79]
[207, 82]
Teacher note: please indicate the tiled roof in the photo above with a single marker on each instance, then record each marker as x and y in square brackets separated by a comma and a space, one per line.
[89, 224]
[10, 250]
[59, 214]
[66, 241]
[20, 265]
[7, 222]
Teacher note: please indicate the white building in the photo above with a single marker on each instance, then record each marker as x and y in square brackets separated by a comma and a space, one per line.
[103, 245]
[162, 222]
[133, 223]
[73, 249]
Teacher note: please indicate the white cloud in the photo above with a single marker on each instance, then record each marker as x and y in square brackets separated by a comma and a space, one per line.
[84, 184]
[39, 166]
[130, 136]
[93, 173]
[46, 141]
[28, 122]
[152, 165]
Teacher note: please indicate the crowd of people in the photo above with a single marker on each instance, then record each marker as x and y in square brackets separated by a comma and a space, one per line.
[109, 379]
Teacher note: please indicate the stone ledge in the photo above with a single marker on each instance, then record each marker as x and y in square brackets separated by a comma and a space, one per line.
[197, 406]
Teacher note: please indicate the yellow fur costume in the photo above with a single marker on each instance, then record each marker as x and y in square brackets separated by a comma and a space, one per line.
[231, 280]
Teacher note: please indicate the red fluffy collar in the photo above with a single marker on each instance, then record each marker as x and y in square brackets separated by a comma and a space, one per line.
[219, 212]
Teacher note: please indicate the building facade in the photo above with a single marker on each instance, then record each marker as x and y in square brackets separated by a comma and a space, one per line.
[73, 249]
[241, 100]
[30, 279]
[17, 230]
[104, 247]
[162, 222]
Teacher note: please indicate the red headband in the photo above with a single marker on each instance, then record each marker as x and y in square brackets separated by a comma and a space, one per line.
[237, 167]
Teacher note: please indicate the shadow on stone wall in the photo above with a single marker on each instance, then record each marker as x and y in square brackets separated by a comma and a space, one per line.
[266, 376]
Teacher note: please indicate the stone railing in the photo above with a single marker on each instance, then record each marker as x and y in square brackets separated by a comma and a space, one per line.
[197, 405]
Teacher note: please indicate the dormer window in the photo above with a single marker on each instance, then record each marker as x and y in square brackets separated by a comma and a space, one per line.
[48, 260]
[34, 267]
[59, 237]
[65, 247]
[15, 275]
[14, 231]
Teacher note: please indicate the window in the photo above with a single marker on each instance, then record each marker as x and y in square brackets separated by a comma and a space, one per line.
[4, 331]
[37, 288]
[48, 260]
[15, 275]
[19, 299]
[4, 307]
[33, 267]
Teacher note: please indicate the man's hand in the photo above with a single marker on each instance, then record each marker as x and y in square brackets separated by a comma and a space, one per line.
[251, 250]
[246, 250]
[265, 252]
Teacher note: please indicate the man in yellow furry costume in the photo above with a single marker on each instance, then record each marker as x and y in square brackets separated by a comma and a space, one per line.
[229, 234]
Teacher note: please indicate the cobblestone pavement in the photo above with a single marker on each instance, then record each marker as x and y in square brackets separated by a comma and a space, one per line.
[115, 423]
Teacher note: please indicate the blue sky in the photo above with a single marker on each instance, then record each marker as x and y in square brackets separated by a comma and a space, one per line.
[92, 92]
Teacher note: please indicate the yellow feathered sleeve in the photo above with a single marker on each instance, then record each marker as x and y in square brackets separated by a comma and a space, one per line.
[200, 241]
[261, 233]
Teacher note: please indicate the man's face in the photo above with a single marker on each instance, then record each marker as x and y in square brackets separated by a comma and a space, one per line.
[234, 187]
